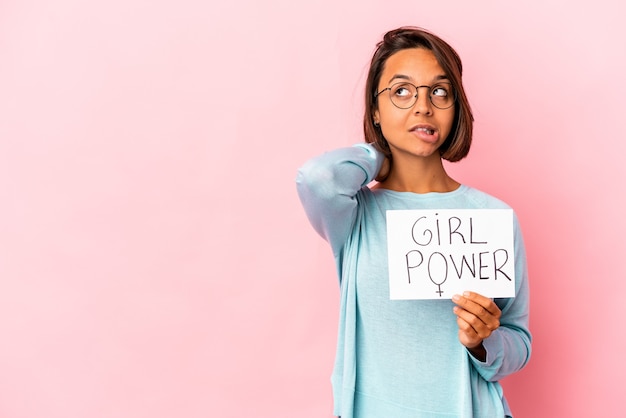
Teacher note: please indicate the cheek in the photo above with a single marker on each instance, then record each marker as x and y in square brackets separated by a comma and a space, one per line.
[447, 122]
[388, 116]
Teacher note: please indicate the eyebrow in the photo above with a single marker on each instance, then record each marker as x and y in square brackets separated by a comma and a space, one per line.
[406, 77]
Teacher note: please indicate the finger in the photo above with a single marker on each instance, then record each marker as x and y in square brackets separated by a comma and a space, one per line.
[468, 322]
[484, 308]
[481, 314]
[486, 303]
[467, 334]
[471, 306]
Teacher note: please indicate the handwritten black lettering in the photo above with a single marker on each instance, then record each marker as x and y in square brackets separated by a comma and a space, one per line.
[471, 222]
[456, 228]
[438, 230]
[410, 265]
[459, 272]
[498, 268]
[482, 266]
[427, 233]
[431, 270]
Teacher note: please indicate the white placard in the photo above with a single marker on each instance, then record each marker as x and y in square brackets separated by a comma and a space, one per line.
[435, 254]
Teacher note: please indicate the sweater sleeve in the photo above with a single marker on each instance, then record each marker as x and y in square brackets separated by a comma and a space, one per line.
[509, 347]
[327, 186]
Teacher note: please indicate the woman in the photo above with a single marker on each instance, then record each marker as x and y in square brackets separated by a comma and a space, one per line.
[416, 358]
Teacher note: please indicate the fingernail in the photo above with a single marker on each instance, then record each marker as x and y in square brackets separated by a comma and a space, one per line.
[456, 298]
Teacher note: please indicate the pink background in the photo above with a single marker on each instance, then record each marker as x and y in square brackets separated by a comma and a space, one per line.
[154, 258]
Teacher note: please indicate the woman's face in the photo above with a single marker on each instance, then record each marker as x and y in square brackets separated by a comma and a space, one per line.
[422, 128]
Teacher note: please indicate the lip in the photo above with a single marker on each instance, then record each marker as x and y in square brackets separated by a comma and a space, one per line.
[423, 131]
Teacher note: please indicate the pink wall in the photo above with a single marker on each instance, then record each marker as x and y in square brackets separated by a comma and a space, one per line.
[154, 259]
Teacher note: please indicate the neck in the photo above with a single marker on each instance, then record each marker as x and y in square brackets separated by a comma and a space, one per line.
[419, 175]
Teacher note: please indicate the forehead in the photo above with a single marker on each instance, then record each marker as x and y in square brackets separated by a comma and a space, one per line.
[419, 64]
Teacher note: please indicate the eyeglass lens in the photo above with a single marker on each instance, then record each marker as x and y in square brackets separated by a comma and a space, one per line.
[404, 95]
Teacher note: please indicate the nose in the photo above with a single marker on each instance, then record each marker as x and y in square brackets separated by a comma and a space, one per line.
[422, 103]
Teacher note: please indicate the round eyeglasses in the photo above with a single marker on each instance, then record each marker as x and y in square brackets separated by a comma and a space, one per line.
[403, 95]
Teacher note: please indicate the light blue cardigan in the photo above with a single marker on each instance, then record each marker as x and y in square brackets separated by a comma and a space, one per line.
[402, 359]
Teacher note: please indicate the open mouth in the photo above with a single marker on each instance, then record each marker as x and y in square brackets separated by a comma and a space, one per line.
[426, 130]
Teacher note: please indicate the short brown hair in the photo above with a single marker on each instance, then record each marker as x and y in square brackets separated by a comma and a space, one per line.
[457, 144]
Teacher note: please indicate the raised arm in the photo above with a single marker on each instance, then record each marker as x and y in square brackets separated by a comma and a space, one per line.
[328, 184]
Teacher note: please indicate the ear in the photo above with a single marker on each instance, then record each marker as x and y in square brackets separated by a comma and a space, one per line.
[376, 117]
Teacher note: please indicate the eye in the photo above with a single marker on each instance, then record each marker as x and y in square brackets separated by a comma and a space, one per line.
[440, 91]
[402, 91]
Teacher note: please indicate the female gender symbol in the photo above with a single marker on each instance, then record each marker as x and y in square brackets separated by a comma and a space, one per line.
[430, 272]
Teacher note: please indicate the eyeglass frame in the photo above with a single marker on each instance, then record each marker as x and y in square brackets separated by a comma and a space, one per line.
[416, 94]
